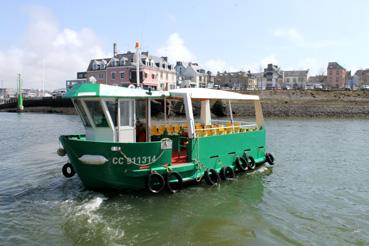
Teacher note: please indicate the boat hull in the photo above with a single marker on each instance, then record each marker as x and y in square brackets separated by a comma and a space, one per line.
[126, 166]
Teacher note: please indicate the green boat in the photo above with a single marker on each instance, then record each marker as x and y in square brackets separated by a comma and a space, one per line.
[125, 148]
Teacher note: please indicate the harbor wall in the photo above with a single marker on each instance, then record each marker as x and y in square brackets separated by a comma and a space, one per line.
[337, 104]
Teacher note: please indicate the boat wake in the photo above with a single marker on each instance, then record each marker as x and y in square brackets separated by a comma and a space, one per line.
[88, 217]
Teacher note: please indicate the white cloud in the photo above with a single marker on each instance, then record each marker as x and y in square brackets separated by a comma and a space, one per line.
[175, 49]
[62, 52]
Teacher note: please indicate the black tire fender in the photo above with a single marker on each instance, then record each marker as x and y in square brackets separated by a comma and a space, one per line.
[242, 164]
[68, 170]
[251, 162]
[155, 186]
[176, 186]
[226, 173]
[211, 176]
[269, 158]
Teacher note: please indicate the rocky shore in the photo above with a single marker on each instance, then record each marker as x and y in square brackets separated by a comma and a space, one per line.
[337, 104]
[291, 103]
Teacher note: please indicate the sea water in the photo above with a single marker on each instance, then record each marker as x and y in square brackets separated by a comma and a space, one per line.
[316, 194]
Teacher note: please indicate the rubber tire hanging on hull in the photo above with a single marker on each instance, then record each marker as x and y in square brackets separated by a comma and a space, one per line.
[211, 176]
[226, 173]
[269, 158]
[251, 162]
[242, 164]
[66, 173]
[177, 186]
[155, 186]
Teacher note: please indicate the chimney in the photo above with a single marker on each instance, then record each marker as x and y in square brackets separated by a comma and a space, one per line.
[115, 50]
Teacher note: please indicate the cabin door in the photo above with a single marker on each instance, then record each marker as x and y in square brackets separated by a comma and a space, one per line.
[126, 121]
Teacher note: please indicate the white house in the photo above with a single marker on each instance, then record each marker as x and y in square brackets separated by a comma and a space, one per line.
[195, 75]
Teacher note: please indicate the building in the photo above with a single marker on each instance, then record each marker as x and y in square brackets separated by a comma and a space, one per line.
[236, 80]
[295, 78]
[336, 75]
[180, 68]
[81, 79]
[193, 75]
[273, 76]
[318, 79]
[361, 77]
[155, 72]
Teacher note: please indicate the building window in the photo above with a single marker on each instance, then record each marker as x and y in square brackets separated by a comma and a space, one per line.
[101, 75]
[161, 75]
[113, 75]
[122, 75]
[145, 75]
[153, 76]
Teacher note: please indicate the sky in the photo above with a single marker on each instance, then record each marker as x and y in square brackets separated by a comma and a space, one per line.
[52, 40]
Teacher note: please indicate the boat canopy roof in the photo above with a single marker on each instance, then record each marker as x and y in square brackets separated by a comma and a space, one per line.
[203, 93]
[108, 91]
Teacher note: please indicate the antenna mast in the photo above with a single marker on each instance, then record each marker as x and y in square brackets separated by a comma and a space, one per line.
[138, 63]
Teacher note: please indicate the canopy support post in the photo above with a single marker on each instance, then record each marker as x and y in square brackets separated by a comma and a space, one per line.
[259, 115]
[230, 110]
[165, 110]
[148, 120]
[189, 115]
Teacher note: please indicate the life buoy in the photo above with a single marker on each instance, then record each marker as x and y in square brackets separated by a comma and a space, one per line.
[176, 186]
[155, 183]
[226, 173]
[211, 176]
[269, 158]
[68, 170]
[251, 162]
[242, 164]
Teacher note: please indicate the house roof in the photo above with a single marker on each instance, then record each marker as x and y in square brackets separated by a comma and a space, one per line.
[296, 73]
[335, 65]
[129, 56]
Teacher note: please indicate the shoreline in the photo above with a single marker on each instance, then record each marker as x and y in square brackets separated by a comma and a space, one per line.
[275, 104]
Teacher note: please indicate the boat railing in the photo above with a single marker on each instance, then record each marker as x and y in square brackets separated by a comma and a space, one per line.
[219, 127]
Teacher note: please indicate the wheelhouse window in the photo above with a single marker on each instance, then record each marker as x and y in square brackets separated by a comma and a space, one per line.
[97, 113]
[82, 113]
[126, 112]
[113, 111]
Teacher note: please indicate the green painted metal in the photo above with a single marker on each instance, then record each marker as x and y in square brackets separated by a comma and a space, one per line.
[119, 173]
[20, 102]
[20, 96]
[106, 91]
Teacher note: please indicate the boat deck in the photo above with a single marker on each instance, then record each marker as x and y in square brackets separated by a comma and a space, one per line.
[179, 158]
